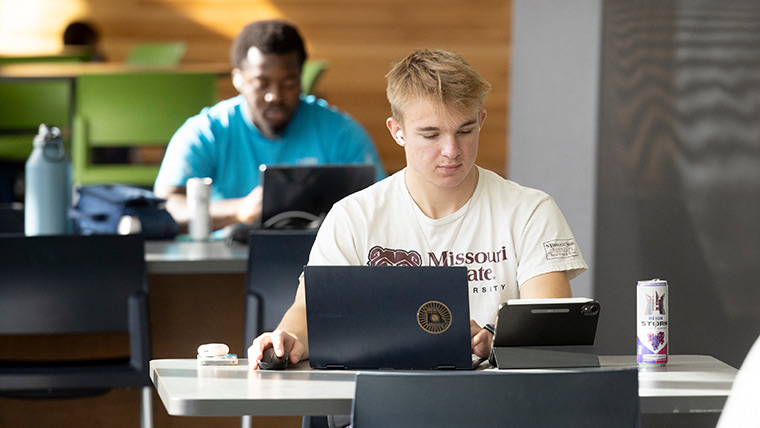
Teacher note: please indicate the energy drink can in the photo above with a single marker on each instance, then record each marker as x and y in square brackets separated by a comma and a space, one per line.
[198, 194]
[652, 322]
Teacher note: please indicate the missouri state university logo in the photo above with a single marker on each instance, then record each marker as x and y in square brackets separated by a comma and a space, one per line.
[379, 256]
[434, 317]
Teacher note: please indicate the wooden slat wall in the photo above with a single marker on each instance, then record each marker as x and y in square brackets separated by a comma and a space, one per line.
[361, 38]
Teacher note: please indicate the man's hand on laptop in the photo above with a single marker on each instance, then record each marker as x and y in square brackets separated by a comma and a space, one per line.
[481, 340]
[249, 207]
[281, 342]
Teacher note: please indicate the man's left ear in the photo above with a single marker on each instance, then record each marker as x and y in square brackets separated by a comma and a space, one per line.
[396, 132]
[482, 117]
[237, 80]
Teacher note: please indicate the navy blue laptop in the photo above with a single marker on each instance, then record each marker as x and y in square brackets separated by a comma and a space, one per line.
[382, 317]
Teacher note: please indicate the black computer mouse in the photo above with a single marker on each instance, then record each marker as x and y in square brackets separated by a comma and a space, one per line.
[270, 361]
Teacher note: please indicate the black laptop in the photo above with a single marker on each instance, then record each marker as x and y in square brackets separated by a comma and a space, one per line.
[297, 196]
[383, 317]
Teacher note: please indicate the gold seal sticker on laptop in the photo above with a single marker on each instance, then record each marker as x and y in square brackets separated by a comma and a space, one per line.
[434, 317]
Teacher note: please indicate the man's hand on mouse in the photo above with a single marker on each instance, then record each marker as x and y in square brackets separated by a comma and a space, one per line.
[281, 342]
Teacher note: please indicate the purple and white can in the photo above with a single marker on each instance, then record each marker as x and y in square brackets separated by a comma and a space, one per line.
[652, 322]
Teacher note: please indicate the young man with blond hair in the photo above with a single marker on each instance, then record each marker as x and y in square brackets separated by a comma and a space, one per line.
[442, 209]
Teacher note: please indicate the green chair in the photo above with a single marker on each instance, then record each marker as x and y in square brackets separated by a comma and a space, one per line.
[311, 73]
[24, 105]
[133, 109]
[157, 53]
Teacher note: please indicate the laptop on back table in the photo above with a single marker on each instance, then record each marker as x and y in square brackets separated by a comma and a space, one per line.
[295, 195]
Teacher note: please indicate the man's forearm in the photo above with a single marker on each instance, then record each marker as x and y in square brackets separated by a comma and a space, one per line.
[548, 285]
[294, 320]
[222, 213]
[294, 323]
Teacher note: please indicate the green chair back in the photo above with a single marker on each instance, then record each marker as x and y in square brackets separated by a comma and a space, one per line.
[157, 53]
[132, 109]
[312, 71]
[24, 105]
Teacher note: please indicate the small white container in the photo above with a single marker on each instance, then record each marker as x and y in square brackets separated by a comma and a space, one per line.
[198, 195]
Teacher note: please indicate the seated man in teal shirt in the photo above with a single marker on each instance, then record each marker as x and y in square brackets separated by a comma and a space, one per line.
[270, 122]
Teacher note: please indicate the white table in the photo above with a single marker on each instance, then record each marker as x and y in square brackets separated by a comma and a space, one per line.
[178, 257]
[688, 384]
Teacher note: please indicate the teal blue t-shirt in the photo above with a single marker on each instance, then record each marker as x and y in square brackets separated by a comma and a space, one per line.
[223, 143]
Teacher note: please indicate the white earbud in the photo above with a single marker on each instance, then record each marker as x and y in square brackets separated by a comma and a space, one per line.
[237, 81]
[400, 137]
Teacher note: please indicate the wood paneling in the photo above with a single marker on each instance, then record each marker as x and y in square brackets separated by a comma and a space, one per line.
[360, 38]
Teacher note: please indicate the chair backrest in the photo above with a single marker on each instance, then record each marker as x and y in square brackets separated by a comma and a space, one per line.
[132, 109]
[275, 262]
[594, 398]
[157, 53]
[11, 218]
[312, 71]
[25, 105]
[69, 286]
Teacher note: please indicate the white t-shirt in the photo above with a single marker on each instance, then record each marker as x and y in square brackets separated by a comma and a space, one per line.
[505, 235]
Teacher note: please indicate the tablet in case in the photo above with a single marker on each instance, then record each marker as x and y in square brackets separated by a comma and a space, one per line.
[546, 333]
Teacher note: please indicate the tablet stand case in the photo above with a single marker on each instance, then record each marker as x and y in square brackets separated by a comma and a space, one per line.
[546, 333]
[542, 357]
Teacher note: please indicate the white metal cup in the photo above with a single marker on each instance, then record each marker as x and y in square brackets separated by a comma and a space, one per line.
[198, 195]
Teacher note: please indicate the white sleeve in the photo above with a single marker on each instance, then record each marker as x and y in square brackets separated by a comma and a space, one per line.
[335, 241]
[547, 244]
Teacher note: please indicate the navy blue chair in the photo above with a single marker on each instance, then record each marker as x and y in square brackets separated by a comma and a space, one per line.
[11, 218]
[579, 399]
[66, 289]
[275, 262]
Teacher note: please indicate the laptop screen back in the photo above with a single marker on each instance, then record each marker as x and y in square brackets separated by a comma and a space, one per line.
[382, 317]
[298, 191]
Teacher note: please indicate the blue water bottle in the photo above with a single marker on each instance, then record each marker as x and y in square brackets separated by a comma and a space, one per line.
[48, 189]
